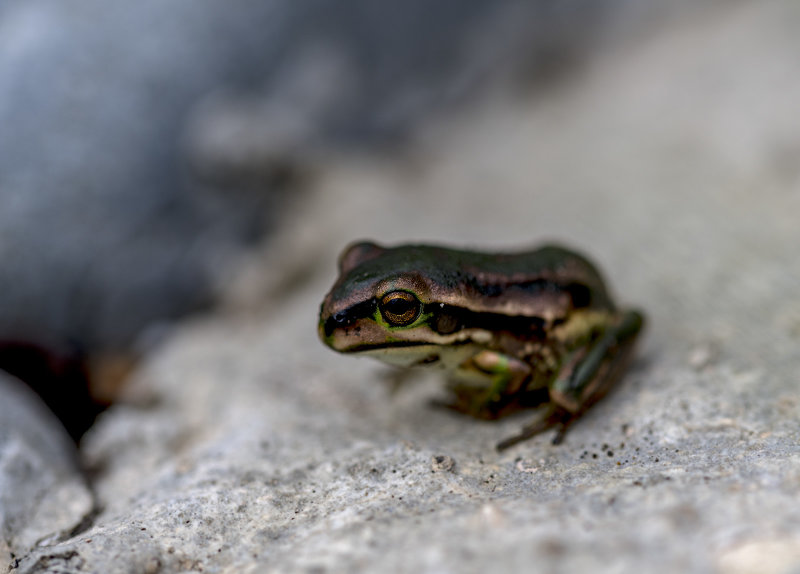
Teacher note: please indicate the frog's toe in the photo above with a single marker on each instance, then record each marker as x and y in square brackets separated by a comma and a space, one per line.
[556, 418]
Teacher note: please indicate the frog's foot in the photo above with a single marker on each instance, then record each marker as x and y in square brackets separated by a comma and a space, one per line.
[495, 383]
[586, 376]
[556, 417]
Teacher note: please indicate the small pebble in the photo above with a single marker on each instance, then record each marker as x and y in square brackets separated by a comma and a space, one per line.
[442, 463]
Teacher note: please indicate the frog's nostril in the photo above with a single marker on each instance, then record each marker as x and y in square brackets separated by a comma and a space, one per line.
[329, 327]
[336, 321]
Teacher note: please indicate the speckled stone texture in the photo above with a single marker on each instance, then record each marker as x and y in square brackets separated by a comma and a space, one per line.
[246, 446]
[43, 495]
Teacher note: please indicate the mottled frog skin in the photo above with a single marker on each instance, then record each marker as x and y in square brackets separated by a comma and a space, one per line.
[511, 330]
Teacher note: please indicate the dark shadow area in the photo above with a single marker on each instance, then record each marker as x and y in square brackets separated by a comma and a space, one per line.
[60, 376]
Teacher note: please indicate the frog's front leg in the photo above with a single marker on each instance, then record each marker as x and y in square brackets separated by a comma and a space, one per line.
[487, 382]
[586, 375]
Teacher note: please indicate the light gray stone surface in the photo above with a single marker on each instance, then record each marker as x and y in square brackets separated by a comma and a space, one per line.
[43, 494]
[246, 446]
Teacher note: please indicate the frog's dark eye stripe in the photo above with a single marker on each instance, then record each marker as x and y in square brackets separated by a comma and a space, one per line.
[400, 308]
[449, 319]
[445, 322]
[580, 293]
[349, 316]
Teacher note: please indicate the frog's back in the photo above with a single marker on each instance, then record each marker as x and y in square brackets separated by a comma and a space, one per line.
[563, 267]
[552, 273]
[549, 281]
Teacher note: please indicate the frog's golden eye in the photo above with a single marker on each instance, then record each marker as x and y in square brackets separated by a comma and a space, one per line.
[400, 308]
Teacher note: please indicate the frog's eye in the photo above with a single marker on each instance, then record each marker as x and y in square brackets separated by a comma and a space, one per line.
[400, 308]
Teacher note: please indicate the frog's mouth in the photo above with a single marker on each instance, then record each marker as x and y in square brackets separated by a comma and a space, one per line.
[421, 353]
[398, 346]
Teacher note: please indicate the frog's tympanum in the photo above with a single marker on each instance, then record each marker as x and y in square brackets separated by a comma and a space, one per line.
[511, 329]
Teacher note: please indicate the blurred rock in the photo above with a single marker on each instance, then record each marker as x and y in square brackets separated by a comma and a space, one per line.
[144, 143]
[100, 231]
[43, 496]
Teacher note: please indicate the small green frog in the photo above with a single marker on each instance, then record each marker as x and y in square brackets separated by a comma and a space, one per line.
[512, 329]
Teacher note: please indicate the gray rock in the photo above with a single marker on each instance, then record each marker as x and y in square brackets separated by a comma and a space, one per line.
[246, 446]
[101, 231]
[43, 496]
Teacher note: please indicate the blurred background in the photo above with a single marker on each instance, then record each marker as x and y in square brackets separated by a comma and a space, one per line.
[154, 154]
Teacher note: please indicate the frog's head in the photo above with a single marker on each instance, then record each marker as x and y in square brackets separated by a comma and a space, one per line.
[389, 302]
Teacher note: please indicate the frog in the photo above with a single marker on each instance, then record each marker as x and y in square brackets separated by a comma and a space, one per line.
[511, 330]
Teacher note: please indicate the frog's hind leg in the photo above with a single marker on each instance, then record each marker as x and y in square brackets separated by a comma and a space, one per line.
[587, 375]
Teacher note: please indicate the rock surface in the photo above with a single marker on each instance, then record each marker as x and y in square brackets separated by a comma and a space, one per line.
[246, 446]
[43, 495]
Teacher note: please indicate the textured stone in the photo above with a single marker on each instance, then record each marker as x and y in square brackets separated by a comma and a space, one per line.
[246, 446]
[43, 495]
